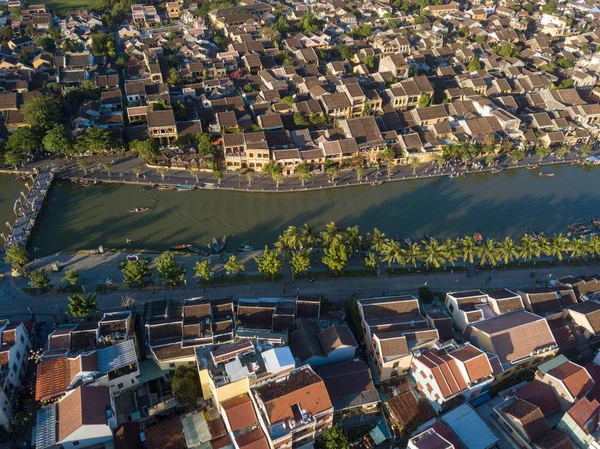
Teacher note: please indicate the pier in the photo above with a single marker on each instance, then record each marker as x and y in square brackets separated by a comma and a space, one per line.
[27, 208]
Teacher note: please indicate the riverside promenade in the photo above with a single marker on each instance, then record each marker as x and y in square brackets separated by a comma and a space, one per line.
[29, 208]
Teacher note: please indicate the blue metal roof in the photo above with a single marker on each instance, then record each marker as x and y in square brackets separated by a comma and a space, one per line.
[45, 435]
[472, 431]
[116, 356]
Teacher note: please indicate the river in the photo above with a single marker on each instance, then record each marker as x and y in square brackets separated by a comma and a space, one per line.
[9, 192]
[494, 205]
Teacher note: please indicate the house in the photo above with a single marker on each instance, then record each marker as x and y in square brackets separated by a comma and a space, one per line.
[350, 386]
[470, 430]
[84, 417]
[580, 423]
[520, 339]
[545, 302]
[395, 64]
[443, 375]
[587, 316]
[161, 125]
[406, 93]
[528, 426]
[466, 307]
[14, 355]
[295, 408]
[568, 380]
[315, 347]
[393, 327]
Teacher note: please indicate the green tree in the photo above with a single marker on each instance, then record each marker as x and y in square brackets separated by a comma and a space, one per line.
[81, 305]
[94, 140]
[83, 165]
[426, 295]
[424, 101]
[174, 77]
[585, 149]
[169, 270]
[370, 262]
[103, 44]
[147, 149]
[468, 249]
[269, 263]
[185, 386]
[392, 253]
[434, 253]
[288, 99]
[205, 146]
[352, 238]
[303, 173]
[577, 248]
[559, 245]
[369, 61]
[415, 164]
[17, 256]
[23, 141]
[58, 140]
[135, 272]
[108, 167]
[474, 64]
[488, 253]
[376, 240]
[218, 175]
[43, 113]
[71, 276]
[39, 279]
[233, 265]
[334, 438]
[517, 156]
[564, 63]
[300, 262]
[363, 31]
[528, 248]
[507, 251]
[335, 257]
[203, 269]
[332, 173]
[542, 152]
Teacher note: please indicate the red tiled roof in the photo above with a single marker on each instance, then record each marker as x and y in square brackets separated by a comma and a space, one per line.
[445, 372]
[575, 377]
[540, 395]
[83, 406]
[165, 435]
[240, 412]
[253, 440]
[53, 377]
[475, 361]
[583, 411]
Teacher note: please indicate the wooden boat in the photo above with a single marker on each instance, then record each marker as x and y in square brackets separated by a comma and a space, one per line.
[546, 175]
[150, 187]
[376, 183]
[137, 210]
[83, 183]
[245, 249]
[181, 247]
[183, 188]
[219, 245]
[533, 167]
[166, 187]
[496, 170]
[477, 237]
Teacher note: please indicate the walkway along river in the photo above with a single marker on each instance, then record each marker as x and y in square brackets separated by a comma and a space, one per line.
[494, 205]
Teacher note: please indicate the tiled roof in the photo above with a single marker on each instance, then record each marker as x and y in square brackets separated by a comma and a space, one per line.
[240, 412]
[83, 406]
[165, 435]
[172, 351]
[409, 412]
[445, 371]
[53, 377]
[475, 361]
[253, 440]
[334, 337]
[575, 377]
[349, 384]
[584, 411]
[530, 417]
[591, 310]
[540, 395]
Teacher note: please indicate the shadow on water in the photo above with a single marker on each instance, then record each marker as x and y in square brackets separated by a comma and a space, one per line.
[495, 205]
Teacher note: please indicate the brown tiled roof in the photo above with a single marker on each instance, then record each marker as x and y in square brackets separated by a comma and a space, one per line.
[445, 372]
[53, 377]
[127, 436]
[240, 412]
[83, 406]
[584, 411]
[409, 412]
[476, 362]
[4, 359]
[199, 311]
[394, 346]
[165, 332]
[308, 307]
[165, 435]
[9, 337]
[544, 302]
[161, 119]
[253, 440]
[256, 315]
[335, 336]
[221, 442]
[112, 327]
[553, 440]
[575, 377]
[385, 307]
[530, 417]
[539, 394]
[83, 340]
[303, 387]
[591, 310]
[172, 351]
[506, 305]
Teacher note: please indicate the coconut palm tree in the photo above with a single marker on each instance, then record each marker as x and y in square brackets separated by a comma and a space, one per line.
[433, 252]
[528, 248]
[415, 164]
[507, 250]
[450, 250]
[468, 248]
[352, 238]
[544, 247]
[162, 171]
[559, 245]
[414, 254]
[292, 237]
[307, 236]
[329, 234]
[488, 252]
[594, 245]
[137, 170]
[577, 248]
[392, 253]
[377, 240]
[332, 173]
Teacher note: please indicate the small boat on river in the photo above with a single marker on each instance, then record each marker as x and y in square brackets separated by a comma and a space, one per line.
[183, 188]
[596, 223]
[533, 167]
[150, 187]
[243, 248]
[376, 183]
[546, 175]
[182, 247]
[218, 245]
[166, 187]
[137, 210]
[496, 170]
[456, 175]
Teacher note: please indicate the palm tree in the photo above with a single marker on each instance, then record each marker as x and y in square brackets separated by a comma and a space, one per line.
[528, 248]
[83, 165]
[390, 170]
[450, 250]
[468, 248]
[352, 238]
[392, 253]
[433, 253]
[107, 166]
[559, 245]
[577, 248]
[488, 252]
[544, 247]
[594, 245]
[277, 177]
[329, 234]
[137, 170]
[307, 236]
[162, 171]
[292, 237]
[414, 254]
[332, 173]
[377, 240]
[507, 250]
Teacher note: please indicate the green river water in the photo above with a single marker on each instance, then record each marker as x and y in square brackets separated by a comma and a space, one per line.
[494, 205]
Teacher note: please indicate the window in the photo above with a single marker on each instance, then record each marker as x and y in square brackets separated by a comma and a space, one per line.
[120, 386]
[75, 443]
[451, 307]
[171, 365]
[18, 355]
[22, 339]
[15, 367]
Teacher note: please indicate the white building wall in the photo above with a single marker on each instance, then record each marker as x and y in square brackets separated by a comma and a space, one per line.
[88, 435]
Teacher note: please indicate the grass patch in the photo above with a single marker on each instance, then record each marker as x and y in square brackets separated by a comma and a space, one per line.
[64, 5]
[69, 289]
[241, 279]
